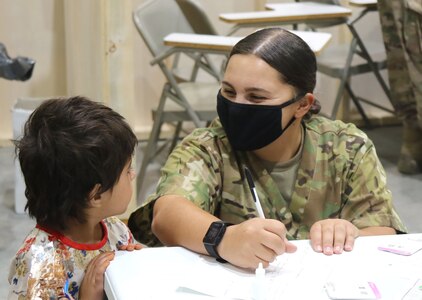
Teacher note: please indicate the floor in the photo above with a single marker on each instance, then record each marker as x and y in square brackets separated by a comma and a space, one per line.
[14, 227]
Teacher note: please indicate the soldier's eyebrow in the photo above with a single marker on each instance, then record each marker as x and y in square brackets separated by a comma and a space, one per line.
[248, 89]
[255, 89]
[226, 83]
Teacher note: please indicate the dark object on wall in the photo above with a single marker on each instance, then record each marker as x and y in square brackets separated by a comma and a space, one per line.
[19, 68]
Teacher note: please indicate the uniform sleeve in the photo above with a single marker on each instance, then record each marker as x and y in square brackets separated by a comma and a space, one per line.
[368, 200]
[191, 171]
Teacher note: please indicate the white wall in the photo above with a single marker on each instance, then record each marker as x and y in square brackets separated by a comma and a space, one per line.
[33, 29]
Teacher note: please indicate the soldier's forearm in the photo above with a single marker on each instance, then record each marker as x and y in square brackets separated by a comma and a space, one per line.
[179, 222]
[376, 230]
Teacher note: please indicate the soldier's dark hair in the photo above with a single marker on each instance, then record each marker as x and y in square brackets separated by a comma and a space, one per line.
[68, 146]
[285, 52]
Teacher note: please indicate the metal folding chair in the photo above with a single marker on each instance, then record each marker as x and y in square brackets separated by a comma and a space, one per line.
[196, 17]
[181, 100]
[344, 61]
[201, 24]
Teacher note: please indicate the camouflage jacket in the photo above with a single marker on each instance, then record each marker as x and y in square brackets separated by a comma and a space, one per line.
[339, 176]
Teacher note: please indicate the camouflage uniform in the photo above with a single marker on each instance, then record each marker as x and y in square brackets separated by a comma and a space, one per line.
[401, 22]
[339, 176]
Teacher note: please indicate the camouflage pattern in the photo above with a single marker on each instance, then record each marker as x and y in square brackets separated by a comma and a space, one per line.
[401, 22]
[339, 176]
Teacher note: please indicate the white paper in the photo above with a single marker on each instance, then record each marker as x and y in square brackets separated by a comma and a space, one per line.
[403, 247]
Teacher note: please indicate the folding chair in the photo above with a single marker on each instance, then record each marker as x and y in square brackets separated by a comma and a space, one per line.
[196, 17]
[180, 100]
[344, 61]
[201, 24]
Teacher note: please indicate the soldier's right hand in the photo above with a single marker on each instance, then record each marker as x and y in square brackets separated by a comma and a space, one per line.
[253, 241]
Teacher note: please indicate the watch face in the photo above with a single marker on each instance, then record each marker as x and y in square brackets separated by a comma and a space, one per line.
[213, 232]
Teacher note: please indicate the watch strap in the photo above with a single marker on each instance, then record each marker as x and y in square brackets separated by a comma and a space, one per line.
[212, 251]
[212, 248]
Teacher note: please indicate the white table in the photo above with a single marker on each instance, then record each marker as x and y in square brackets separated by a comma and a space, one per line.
[364, 3]
[310, 10]
[176, 273]
[286, 13]
[223, 44]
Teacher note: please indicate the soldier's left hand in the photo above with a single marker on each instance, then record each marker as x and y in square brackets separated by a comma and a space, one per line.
[332, 236]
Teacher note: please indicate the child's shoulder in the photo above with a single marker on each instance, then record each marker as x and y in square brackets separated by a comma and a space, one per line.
[39, 266]
[35, 239]
[36, 246]
[118, 232]
[111, 222]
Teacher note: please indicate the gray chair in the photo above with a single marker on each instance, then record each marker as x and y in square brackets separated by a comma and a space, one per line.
[344, 61]
[200, 23]
[196, 17]
[181, 100]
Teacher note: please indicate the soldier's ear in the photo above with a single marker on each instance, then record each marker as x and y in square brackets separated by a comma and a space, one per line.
[305, 105]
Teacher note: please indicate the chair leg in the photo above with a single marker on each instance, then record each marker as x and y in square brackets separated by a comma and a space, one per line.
[149, 152]
[371, 63]
[345, 76]
[195, 69]
[176, 136]
[215, 72]
[152, 140]
[358, 105]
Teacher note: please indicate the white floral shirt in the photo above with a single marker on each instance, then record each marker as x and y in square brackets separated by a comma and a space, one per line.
[47, 261]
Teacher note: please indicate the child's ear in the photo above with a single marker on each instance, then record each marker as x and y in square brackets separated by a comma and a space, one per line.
[95, 196]
[305, 105]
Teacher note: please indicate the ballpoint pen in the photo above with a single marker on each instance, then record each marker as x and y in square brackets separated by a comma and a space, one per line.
[253, 192]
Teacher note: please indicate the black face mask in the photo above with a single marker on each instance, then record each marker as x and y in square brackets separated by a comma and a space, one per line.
[249, 126]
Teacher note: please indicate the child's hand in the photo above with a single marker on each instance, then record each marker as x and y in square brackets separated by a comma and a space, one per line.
[130, 247]
[92, 287]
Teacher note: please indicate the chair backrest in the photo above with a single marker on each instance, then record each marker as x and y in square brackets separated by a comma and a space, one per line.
[155, 19]
[197, 17]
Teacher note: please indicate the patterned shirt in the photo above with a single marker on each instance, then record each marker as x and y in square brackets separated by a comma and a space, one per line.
[47, 259]
[339, 176]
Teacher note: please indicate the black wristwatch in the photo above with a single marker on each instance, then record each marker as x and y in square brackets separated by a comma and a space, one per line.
[213, 238]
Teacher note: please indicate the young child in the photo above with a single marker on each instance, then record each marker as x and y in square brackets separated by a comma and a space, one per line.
[75, 156]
